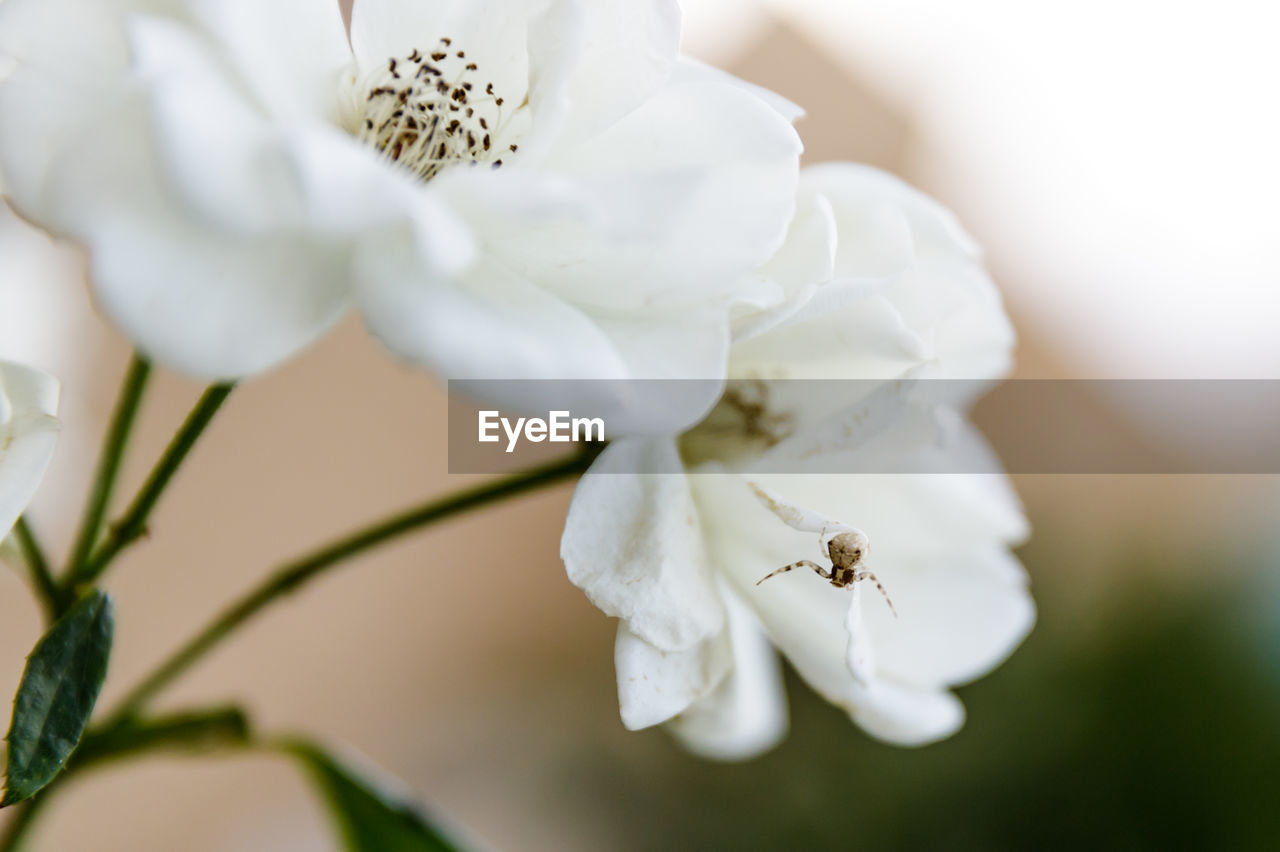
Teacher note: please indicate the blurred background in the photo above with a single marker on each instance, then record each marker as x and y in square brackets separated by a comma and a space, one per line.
[1117, 160]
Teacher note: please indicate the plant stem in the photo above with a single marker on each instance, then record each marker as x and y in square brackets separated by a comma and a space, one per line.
[293, 575]
[117, 437]
[133, 525]
[194, 729]
[16, 835]
[191, 729]
[51, 596]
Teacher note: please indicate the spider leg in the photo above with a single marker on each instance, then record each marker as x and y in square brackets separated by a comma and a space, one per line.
[803, 563]
[867, 575]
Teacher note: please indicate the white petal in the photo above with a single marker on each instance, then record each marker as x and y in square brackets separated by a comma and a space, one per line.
[28, 432]
[858, 335]
[690, 70]
[627, 53]
[557, 40]
[941, 297]
[876, 238]
[54, 118]
[976, 339]
[795, 516]
[214, 305]
[804, 263]
[914, 513]
[907, 289]
[734, 160]
[214, 144]
[747, 714]
[868, 426]
[246, 173]
[809, 254]
[905, 716]
[288, 53]
[633, 543]
[861, 193]
[486, 322]
[345, 192]
[493, 34]
[75, 36]
[958, 616]
[482, 323]
[596, 240]
[860, 654]
[655, 685]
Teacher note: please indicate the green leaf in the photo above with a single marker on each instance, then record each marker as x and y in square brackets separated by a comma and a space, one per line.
[370, 817]
[63, 677]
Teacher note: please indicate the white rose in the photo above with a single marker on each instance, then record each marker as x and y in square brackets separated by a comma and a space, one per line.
[672, 537]
[506, 189]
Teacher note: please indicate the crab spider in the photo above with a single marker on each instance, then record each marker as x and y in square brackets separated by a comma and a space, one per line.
[843, 545]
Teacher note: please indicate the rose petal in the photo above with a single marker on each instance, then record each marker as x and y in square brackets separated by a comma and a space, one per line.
[55, 115]
[735, 161]
[214, 305]
[633, 543]
[905, 716]
[627, 53]
[493, 34]
[942, 297]
[958, 616]
[488, 322]
[747, 714]
[80, 38]
[860, 193]
[28, 432]
[804, 263]
[690, 70]
[288, 53]
[654, 685]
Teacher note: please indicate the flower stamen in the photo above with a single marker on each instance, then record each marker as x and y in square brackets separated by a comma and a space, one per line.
[420, 112]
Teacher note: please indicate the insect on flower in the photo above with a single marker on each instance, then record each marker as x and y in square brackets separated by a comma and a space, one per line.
[844, 545]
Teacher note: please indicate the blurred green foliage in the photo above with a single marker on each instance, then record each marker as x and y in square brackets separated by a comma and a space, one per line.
[1153, 724]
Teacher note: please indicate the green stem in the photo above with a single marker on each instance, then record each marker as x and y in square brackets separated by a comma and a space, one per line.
[293, 575]
[51, 596]
[195, 729]
[133, 525]
[15, 836]
[117, 437]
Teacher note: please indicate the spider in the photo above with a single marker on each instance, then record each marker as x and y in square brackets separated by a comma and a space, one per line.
[846, 548]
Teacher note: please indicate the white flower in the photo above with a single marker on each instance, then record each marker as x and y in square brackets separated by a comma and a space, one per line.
[878, 279]
[514, 189]
[28, 431]
[672, 537]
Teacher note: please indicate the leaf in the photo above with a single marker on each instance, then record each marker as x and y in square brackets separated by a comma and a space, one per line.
[370, 817]
[59, 687]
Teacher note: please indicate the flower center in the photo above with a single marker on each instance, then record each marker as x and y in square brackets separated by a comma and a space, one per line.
[427, 111]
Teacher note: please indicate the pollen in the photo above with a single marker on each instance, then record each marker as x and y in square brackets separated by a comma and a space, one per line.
[433, 109]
